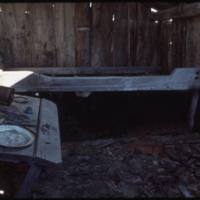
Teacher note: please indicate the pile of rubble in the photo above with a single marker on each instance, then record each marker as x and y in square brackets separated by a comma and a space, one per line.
[153, 166]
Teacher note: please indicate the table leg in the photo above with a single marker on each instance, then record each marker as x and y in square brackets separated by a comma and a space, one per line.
[193, 110]
[31, 177]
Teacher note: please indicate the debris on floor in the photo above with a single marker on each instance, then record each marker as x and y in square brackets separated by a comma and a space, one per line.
[155, 166]
[140, 152]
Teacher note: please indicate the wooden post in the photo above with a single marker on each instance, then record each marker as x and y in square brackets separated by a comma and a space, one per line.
[31, 177]
[193, 109]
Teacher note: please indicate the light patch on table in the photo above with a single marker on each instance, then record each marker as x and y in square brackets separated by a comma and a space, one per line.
[9, 79]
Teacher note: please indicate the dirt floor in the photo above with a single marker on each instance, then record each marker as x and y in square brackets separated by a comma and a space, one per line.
[131, 167]
[146, 151]
[154, 166]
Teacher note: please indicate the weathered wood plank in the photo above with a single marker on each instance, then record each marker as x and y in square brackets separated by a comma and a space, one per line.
[83, 33]
[192, 44]
[23, 112]
[11, 37]
[172, 44]
[69, 33]
[102, 28]
[183, 11]
[48, 141]
[60, 35]
[132, 41]
[18, 30]
[43, 38]
[193, 109]
[146, 38]
[37, 34]
[81, 71]
[179, 39]
[120, 34]
[141, 33]
[166, 46]
[182, 79]
[30, 179]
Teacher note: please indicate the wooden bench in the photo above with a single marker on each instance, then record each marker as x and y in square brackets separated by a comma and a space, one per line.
[181, 79]
[41, 117]
[63, 80]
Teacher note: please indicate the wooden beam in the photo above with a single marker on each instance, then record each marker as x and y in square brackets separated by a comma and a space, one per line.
[184, 11]
[81, 71]
[182, 79]
[193, 109]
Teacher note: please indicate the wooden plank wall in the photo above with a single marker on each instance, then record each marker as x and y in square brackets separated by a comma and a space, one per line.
[172, 44]
[193, 42]
[75, 34]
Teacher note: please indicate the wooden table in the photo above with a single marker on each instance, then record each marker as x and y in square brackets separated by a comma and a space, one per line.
[41, 117]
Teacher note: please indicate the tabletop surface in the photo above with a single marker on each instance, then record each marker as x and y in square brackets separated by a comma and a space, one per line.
[41, 117]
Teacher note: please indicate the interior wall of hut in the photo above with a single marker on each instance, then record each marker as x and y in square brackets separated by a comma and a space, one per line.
[193, 45]
[94, 34]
